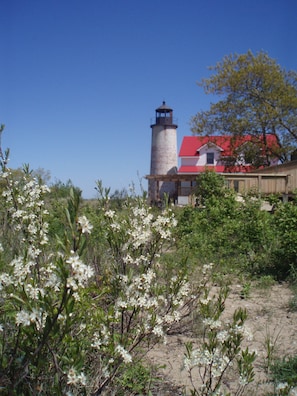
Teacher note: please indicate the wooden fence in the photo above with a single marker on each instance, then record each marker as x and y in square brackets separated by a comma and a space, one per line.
[259, 183]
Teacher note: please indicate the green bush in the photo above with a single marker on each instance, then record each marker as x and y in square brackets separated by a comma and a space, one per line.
[285, 228]
[236, 235]
[137, 379]
[285, 371]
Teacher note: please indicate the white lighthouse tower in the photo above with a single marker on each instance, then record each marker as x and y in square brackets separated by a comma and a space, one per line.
[163, 153]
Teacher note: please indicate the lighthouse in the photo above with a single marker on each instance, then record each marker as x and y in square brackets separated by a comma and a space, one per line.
[163, 153]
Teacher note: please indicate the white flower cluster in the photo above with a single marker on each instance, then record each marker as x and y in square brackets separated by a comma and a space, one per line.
[80, 272]
[212, 324]
[207, 268]
[223, 335]
[283, 388]
[157, 312]
[75, 378]
[137, 293]
[140, 260]
[179, 294]
[21, 269]
[85, 225]
[164, 224]
[127, 358]
[203, 358]
[51, 279]
[101, 338]
[25, 203]
[110, 214]
[37, 317]
[293, 391]
[244, 331]
[143, 228]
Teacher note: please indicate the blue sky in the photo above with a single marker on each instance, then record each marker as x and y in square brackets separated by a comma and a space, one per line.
[81, 79]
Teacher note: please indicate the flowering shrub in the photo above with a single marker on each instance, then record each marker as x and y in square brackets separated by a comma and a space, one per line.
[69, 326]
[63, 329]
[39, 288]
[144, 301]
[219, 350]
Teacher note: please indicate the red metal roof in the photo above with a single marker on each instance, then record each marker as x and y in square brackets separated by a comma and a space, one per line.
[217, 169]
[197, 169]
[192, 144]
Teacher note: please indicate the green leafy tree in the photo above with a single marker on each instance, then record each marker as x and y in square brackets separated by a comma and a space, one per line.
[42, 175]
[258, 98]
[211, 185]
[62, 190]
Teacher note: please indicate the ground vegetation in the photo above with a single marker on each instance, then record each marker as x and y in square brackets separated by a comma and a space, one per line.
[89, 290]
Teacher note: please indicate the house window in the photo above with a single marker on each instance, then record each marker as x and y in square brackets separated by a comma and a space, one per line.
[210, 158]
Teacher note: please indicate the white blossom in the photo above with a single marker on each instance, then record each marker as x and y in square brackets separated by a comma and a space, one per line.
[212, 324]
[293, 391]
[23, 318]
[86, 226]
[75, 378]
[127, 358]
[34, 292]
[21, 269]
[38, 317]
[281, 386]
[243, 380]
[5, 280]
[80, 272]
[115, 226]
[203, 358]
[110, 214]
[222, 336]
[158, 331]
